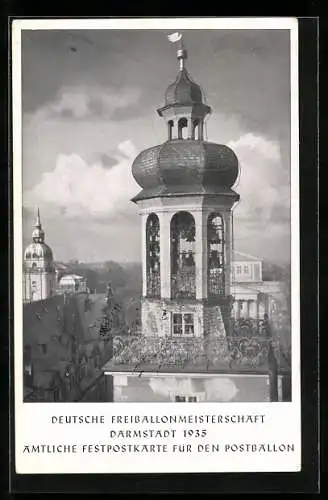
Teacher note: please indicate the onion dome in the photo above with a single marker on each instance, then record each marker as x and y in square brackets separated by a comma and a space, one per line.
[183, 90]
[185, 167]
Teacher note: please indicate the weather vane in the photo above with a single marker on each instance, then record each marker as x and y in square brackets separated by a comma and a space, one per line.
[177, 37]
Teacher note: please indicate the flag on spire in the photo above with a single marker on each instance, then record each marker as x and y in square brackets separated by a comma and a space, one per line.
[175, 37]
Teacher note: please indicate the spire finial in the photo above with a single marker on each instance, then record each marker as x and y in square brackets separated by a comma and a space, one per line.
[181, 52]
[38, 233]
[38, 221]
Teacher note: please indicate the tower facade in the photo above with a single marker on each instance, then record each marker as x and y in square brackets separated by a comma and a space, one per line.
[39, 277]
[186, 205]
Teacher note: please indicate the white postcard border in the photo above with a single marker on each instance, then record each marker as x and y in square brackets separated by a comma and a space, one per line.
[32, 419]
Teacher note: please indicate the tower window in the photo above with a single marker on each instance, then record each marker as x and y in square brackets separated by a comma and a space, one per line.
[197, 130]
[170, 129]
[183, 324]
[182, 128]
[183, 267]
[153, 256]
[215, 249]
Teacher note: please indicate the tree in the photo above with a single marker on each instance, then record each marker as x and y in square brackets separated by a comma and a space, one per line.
[92, 279]
[114, 273]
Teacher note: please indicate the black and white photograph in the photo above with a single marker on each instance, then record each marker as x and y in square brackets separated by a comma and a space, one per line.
[157, 198]
[156, 216]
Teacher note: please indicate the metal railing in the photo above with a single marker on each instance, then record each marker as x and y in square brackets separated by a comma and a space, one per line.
[209, 352]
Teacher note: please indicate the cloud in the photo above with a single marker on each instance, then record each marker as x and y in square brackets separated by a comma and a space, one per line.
[263, 183]
[127, 149]
[262, 216]
[77, 188]
[107, 160]
[251, 144]
[81, 102]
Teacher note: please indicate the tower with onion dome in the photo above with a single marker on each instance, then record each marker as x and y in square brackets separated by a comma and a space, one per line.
[186, 203]
[39, 278]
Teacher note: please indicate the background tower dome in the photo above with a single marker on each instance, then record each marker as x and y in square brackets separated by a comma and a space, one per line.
[39, 277]
[38, 249]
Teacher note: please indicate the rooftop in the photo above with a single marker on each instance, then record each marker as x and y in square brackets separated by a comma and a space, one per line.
[192, 355]
[71, 277]
[240, 256]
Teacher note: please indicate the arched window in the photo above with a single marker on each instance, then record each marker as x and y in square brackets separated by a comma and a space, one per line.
[215, 249]
[170, 129]
[195, 130]
[182, 128]
[183, 266]
[153, 256]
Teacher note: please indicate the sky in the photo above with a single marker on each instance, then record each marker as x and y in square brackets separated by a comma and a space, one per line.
[89, 107]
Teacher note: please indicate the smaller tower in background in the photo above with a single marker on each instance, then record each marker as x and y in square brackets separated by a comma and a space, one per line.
[39, 277]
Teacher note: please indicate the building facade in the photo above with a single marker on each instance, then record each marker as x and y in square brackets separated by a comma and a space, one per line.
[39, 277]
[254, 297]
[72, 283]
